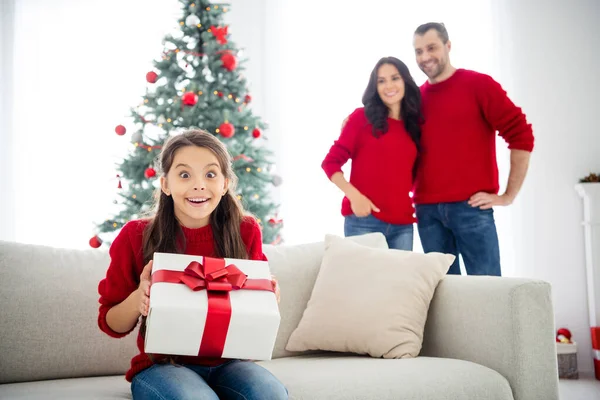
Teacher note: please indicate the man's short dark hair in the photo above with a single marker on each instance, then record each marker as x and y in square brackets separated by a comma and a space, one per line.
[437, 26]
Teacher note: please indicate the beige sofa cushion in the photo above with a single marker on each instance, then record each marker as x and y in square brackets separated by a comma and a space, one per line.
[330, 376]
[49, 315]
[296, 268]
[369, 300]
[319, 377]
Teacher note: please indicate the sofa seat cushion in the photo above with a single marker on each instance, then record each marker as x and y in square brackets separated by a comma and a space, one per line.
[333, 377]
[98, 388]
[319, 377]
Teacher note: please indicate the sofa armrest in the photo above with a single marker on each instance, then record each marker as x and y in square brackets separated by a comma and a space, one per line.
[506, 324]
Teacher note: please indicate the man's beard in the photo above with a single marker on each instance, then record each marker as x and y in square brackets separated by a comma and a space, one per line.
[436, 71]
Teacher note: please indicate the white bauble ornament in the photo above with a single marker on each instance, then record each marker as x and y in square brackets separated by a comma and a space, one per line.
[192, 20]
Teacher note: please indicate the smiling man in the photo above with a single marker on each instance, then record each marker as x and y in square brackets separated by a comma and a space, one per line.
[456, 186]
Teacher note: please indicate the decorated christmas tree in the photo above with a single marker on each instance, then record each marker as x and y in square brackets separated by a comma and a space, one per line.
[197, 82]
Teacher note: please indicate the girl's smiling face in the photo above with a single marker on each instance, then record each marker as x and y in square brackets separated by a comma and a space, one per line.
[196, 184]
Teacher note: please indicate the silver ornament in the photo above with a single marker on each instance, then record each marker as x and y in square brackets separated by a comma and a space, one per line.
[137, 137]
[277, 180]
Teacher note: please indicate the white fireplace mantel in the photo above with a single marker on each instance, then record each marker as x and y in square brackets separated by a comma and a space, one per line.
[590, 192]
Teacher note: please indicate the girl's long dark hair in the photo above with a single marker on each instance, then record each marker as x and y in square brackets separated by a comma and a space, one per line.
[164, 234]
[410, 107]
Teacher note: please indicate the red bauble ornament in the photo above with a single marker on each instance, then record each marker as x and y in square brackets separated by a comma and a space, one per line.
[95, 242]
[150, 173]
[190, 98]
[151, 77]
[226, 129]
[120, 130]
[229, 61]
[247, 98]
[256, 133]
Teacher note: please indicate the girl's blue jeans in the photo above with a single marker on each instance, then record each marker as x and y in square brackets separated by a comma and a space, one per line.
[235, 379]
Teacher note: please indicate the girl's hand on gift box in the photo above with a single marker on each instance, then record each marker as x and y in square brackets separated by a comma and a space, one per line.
[144, 289]
[276, 287]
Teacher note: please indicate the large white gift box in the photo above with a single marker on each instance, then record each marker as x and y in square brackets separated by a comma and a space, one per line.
[211, 307]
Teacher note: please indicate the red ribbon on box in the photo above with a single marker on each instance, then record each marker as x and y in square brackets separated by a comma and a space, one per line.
[218, 280]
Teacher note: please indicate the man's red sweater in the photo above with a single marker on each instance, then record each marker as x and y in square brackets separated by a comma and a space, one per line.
[462, 115]
[126, 265]
[382, 166]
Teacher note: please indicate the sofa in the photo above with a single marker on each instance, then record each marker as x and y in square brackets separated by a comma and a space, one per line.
[484, 338]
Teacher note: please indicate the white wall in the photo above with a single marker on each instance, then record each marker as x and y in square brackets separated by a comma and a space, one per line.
[552, 62]
[7, 198]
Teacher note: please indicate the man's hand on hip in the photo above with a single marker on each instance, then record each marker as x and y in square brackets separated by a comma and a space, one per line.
[486, 201]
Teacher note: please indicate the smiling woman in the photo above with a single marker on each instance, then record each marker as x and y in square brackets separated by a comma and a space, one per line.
[382, 139]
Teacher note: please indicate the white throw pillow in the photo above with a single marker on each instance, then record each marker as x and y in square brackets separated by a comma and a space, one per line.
[296, 268]
[369, 300]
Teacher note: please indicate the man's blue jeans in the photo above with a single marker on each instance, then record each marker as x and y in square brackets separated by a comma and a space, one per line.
[457, 228]
[239, 380]
[398, 236]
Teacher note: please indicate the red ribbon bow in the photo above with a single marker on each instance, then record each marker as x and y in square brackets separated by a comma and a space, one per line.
[213, 275]
[218, 280]
[220, 34]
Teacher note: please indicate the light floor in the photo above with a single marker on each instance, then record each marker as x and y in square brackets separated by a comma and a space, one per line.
[584, 388]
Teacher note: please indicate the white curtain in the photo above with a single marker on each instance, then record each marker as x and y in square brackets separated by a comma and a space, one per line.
[77, 68]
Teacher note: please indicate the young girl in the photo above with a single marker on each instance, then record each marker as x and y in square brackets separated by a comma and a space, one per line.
[382, 139]
[197, 213]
